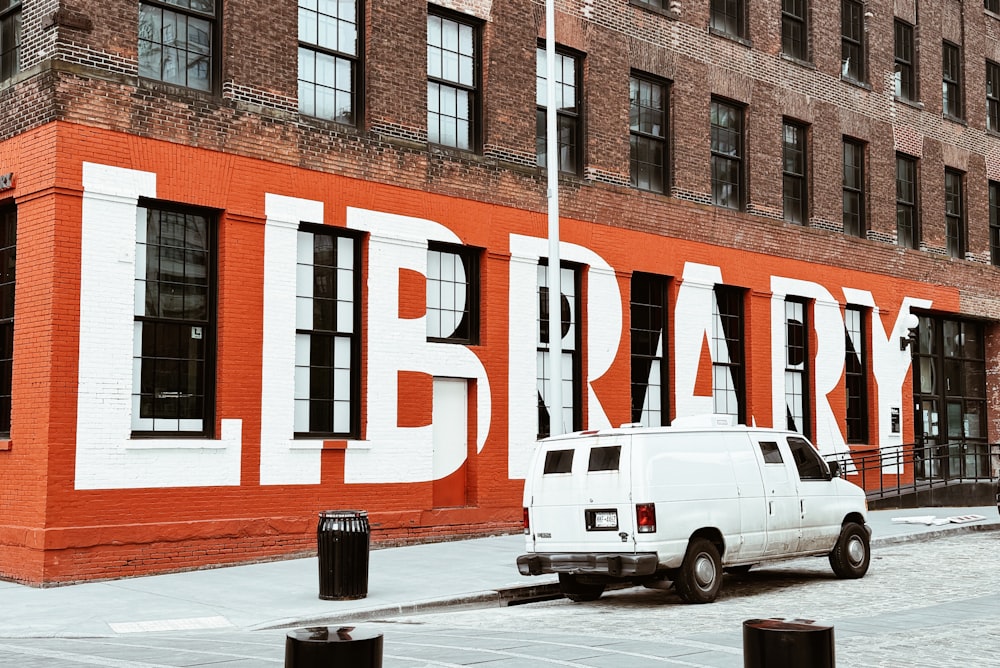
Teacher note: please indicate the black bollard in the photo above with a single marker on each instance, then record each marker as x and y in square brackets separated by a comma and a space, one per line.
[796, 643]
[333, 647]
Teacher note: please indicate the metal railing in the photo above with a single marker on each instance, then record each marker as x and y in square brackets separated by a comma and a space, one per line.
[895, 470]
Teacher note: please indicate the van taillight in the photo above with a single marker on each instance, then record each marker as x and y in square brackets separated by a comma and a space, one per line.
[645, 517]
[527, 523]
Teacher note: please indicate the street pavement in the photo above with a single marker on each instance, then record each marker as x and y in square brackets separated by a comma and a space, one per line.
[244, 611]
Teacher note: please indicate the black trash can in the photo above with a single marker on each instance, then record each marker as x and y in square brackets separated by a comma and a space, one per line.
[342, 538]
[779, 643]
[333, 647]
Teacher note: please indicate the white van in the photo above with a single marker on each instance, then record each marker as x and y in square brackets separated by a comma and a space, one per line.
[683, 503]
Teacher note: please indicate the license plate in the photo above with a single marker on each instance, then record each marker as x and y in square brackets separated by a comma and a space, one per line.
[602, 520]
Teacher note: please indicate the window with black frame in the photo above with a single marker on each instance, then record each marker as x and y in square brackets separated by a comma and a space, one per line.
[907, 227]
[647, 133]
[852, 46]
[8, 266]
[650, 368]
[954, 213]
[951, 86]
[727, 154]
[728, 17]
[796, 367]
[994, 223]
[992, 6]
[854, 188]
[569, 100]
[728, 384]
[795, 193]
[10, 38]
[452, 81]
[328, 60]
[327, 334]
[992, 96]
[570, 364]
[794, 36]
[904, 78]
[452, 294]
[856, 375]
[177, 42]
[174, 323]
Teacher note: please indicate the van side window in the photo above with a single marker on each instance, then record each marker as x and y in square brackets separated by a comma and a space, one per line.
[605, 459]
[558, 461]
[807, 460]
[770, 451]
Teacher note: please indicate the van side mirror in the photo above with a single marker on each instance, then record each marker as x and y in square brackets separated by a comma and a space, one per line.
[834, 469]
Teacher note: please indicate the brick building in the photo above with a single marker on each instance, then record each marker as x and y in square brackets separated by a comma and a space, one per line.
[261, 260]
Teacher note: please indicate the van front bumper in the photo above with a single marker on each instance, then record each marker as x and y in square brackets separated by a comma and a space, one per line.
[580, 563]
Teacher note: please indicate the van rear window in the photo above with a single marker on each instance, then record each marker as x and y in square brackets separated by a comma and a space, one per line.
[605, 459]
[558, 461]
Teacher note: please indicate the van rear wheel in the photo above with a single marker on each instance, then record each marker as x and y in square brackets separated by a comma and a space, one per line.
[851, 556]
[700, 574]
[577, 591]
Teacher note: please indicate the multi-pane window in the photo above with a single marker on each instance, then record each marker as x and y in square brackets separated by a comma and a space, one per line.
[327, 343]
[727, 155]
[655, 4]
[794, 41]
[856, 375]
[174, 328]
[954, 213]
[796, 367]
[854, 188]
[328, 59]
[649, 350]
[907, 233]
[995, 223]
[452, 56]
[904, 79]
[951, 85]
[992, 96]
[648, 133]
[452, 294]
[177, 41]
[852, 48]
[795, 191]
[728, 385]
[10, 38]
[729, 17]
[570, 414]
[569, 126]
[8, 263]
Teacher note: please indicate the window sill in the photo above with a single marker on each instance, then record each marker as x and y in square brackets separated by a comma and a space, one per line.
[909, 103]
[732, 38]
[955, 119]
[329, 444]
[669, 13]
[798, 61]
[854, 82]
[174, 443]
[6, 445]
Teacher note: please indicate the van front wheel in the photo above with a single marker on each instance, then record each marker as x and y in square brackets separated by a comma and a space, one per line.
[851, 555]
[577, 591]
[700, 575]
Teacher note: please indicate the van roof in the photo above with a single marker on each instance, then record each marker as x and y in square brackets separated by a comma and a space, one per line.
[686, 424]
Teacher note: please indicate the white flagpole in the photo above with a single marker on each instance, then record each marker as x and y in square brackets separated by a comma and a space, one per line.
[552, 169]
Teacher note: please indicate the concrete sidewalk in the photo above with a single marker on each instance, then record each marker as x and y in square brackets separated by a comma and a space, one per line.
[476, 572]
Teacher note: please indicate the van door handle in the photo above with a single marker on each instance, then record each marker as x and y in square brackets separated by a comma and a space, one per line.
[770, 507]
[802, 507]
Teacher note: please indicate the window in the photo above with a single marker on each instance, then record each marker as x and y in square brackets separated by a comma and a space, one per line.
[954, 213]
[728, 17]
[571, 341]
[569, 126]
[995, 223]
[992, 96]
[174, 333]
[852, 50]
[854, 188]
[8, 264]
[605, 458]
[452, 74]
[328, 59]
[727, 155]
[728, 388]
[452, 294]
[907, 232]
[772, 455]
[327, 341]
[992, 6]
[177, 42]
[795, 192]
[796, 367]
[810, 465]
[951, 88]
[558, 461]
[856, 375]
[10, 38]
[793, 29]
[648, 133]
[649, 350]
[905, 81]
[654, 4]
